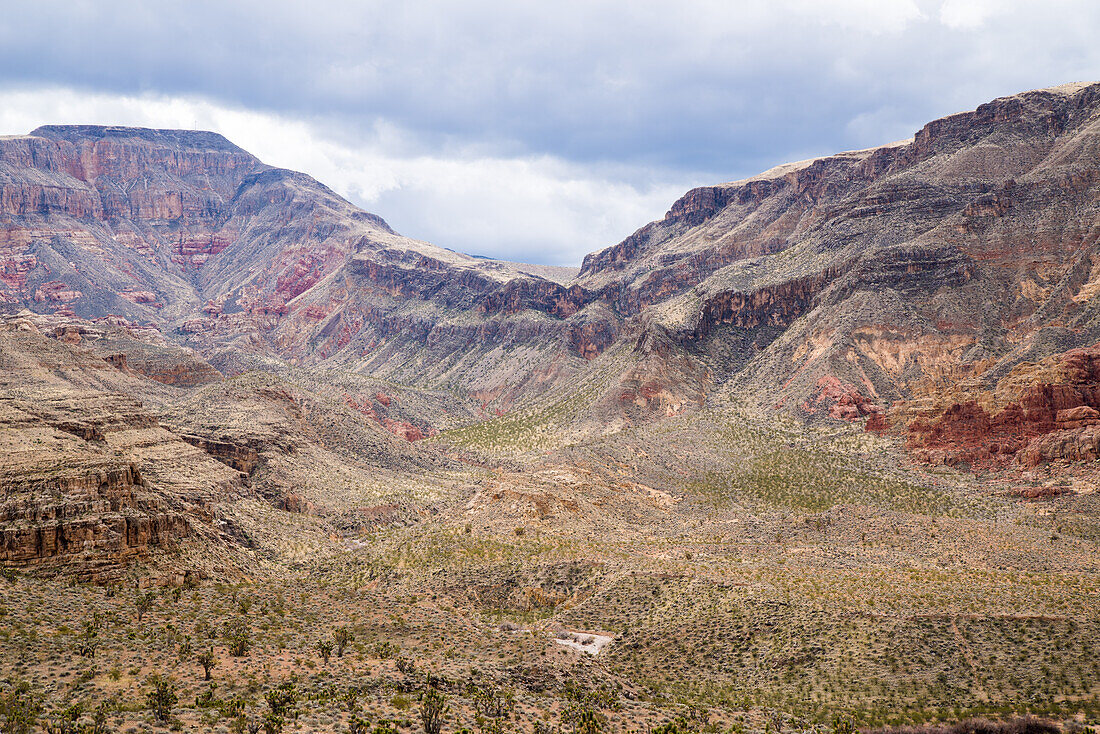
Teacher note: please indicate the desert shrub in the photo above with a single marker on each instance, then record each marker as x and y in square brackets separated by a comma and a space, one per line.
[161, 699]
[20, 708]
[386, 650]
[207, 699]
[232, 708]
[487, 725]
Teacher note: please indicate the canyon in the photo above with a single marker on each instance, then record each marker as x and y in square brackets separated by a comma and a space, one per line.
[871, 378]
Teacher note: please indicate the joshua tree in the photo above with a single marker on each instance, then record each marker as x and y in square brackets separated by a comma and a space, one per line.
[433, 705]
[65, 722]
[20, 708]
[88, 642]
[281, 700]
[495, 703]
[238, 637]
[343, 636]
[325, 648]
[273, 724]
[144, 602]
[405, 665]
[161, 699]
[208, 662]
[843, 725]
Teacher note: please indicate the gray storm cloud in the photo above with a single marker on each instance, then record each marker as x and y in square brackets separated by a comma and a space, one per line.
[535, 131]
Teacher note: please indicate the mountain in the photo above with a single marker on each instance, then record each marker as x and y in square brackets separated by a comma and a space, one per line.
[864, 283]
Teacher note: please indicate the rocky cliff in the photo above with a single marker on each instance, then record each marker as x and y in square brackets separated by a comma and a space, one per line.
[90, 481]
[187, 232]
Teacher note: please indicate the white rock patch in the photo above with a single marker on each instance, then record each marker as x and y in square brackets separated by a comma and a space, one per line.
[583, 641]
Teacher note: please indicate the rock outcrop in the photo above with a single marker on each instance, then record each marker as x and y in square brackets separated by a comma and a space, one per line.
[1037, 413]
[89, 480]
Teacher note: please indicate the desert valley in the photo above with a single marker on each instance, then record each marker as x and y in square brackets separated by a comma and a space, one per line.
[818, 450]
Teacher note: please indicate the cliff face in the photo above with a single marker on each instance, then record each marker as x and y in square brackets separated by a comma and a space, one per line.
[186, 231]
[1038, 412]
[89, 480]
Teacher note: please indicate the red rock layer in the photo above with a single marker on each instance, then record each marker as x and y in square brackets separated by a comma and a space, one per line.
[1048, 422]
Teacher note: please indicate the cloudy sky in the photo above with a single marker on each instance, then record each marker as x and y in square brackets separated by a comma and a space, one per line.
[532, 131]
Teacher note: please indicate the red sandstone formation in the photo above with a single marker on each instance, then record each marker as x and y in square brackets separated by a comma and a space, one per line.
[844, 402]
[1047, 422]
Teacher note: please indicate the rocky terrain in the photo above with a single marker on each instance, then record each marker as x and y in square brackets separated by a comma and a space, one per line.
[817, 450]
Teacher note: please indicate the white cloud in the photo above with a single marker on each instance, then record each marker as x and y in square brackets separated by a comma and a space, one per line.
[874, 16]
[968, 14]
[534, 208]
